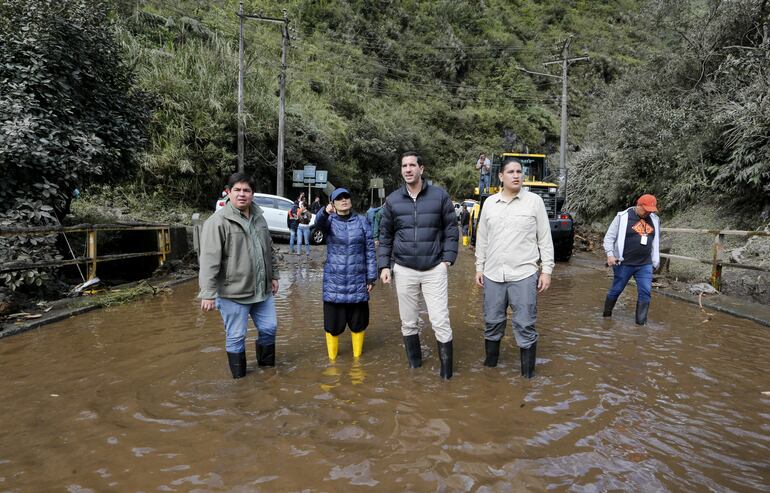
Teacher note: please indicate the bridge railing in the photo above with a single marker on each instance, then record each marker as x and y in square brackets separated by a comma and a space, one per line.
[91, 258]
[716, 251]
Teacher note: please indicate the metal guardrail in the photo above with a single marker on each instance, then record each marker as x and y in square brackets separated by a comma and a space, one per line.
[92, 258]
[716, 251]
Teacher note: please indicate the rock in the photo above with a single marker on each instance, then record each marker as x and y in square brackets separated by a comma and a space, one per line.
[7, 304]
[6, 307]
[702, 287]
[736, 256]
[765, 215]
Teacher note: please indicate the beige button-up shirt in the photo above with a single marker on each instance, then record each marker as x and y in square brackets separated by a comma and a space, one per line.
[512, 236]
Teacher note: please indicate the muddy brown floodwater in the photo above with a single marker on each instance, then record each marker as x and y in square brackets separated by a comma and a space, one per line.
[139, 398]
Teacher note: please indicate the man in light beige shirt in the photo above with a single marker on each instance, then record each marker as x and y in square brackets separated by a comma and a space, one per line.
[513, 235]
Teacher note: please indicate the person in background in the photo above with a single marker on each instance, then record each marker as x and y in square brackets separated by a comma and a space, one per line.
[370, 212]
[464, 217]
[292, 221]
[419, 230]
[376, 227]
[484, 165]
[350, 271]
[372, 218]
[513, 237]
[239, 274]
[223, 199]
[632, 245]
[315, 206]
[303, 228]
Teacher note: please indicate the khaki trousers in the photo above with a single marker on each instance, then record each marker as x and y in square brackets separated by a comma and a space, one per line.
[433, 285]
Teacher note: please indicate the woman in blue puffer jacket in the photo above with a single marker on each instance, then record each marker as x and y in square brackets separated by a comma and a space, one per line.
[350, 271]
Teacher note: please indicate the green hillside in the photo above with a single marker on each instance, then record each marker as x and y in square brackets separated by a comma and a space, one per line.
[366, 81]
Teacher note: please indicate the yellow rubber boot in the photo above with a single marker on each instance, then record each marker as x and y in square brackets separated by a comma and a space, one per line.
[332, 345]
[358, 343]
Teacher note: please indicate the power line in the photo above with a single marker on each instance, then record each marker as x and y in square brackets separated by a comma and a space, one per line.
[405, 92]
[371, 39]
[424, 58]
[408, 73]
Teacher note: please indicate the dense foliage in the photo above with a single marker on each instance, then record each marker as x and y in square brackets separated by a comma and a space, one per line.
[693, 123]
[67, 105]
[366, 81]
[68, 114]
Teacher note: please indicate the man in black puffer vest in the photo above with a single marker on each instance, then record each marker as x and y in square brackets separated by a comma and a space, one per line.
[419, 231]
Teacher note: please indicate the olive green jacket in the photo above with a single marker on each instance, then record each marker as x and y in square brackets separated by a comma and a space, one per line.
[227, 268]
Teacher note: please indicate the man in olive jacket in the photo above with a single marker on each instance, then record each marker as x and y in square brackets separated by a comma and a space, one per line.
[419, 231]
[238, 274]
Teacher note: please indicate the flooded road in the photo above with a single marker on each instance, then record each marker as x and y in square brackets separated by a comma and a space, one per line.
[139, 398]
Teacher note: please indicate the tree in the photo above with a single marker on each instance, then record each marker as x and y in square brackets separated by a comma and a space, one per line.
[68, 113]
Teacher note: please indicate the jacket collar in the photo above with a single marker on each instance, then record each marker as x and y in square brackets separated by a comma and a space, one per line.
[424, 186]
[234, 214]
[653, 215]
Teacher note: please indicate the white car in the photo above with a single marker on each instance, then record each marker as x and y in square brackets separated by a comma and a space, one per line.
[276, 209]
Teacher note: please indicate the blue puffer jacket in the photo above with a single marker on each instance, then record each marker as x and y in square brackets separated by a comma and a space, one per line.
[351, 262]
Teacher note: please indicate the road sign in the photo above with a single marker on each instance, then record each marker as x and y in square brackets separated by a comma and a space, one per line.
[321, 177]
[376, 183]
[297, 177]
[381, 193]
[309, 171]
[329, 188]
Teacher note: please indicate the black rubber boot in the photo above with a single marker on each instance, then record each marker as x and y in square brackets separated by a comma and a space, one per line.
[413, 350]
[609, 304]
[528, 358]
[492, 351]
[642, 307]
[445, 355]
[237, 362]
[266, 355]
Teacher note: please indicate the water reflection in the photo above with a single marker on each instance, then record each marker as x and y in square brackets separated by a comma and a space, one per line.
[139, 398]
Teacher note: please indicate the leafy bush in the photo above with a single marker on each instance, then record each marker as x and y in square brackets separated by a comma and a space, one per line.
[68, 114]
[689, 125]
[28, 249]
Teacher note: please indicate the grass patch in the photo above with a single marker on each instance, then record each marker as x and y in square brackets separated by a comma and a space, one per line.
[121, 296]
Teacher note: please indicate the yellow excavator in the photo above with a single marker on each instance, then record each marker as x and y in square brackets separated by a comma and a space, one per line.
[535, 170]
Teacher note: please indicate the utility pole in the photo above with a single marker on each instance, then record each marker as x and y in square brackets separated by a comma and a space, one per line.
[241, 167]
[282, 106]
[282, 85]
[565, 61]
